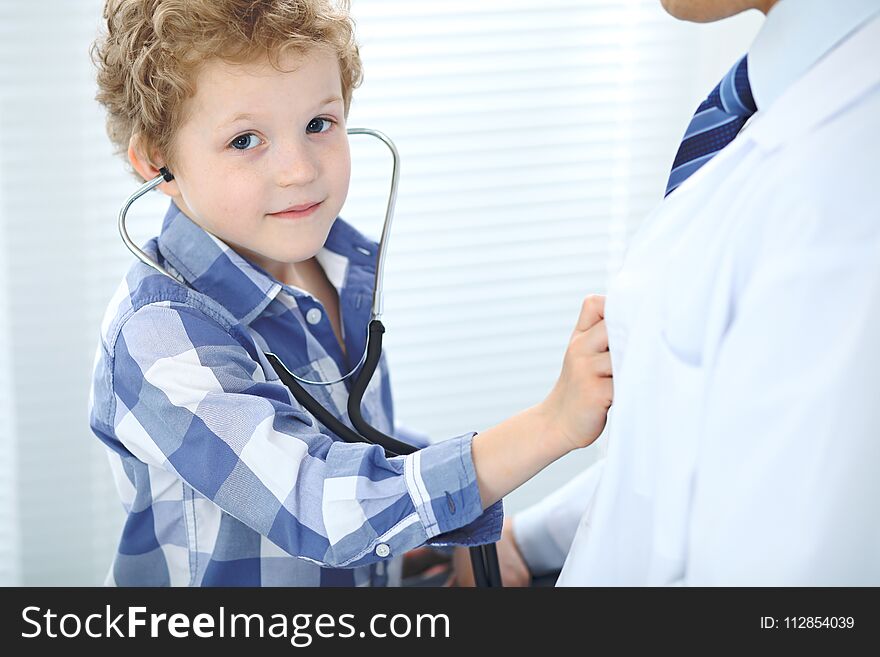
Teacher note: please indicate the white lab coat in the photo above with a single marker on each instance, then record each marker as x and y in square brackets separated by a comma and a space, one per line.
[744, 328]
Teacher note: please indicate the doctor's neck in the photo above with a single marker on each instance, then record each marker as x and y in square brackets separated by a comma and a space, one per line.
[706, 11]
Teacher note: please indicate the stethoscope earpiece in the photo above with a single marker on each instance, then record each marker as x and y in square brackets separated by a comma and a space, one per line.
[166, 174]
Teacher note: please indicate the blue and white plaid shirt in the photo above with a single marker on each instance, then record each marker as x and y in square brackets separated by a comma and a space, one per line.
[226, 479]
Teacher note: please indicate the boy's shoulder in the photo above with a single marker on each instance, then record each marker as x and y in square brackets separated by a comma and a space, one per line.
[143, 286]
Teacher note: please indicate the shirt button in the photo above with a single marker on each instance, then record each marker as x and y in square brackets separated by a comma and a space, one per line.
[313, 316]
[383, 550]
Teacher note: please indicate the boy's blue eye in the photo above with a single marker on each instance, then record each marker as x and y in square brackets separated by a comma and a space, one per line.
[241, 142]
[244, 143]
[319, 125]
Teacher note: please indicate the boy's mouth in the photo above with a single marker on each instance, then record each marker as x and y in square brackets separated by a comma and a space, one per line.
[298, 211]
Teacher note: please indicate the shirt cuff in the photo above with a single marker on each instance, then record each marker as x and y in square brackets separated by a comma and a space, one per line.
[442, 483]
[485, 529]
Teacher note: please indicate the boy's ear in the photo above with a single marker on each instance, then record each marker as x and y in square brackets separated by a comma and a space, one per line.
[145, 166]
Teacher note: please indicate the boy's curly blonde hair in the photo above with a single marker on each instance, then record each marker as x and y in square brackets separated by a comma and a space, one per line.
[152, 51]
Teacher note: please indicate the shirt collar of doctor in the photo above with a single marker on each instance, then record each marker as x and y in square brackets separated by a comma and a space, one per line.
[213, 268]
[795, 35]
[832, 79]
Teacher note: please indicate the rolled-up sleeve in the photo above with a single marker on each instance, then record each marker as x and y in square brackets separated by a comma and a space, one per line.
[189, 398]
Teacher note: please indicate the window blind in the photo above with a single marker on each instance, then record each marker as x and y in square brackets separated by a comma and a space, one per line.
[9, 539]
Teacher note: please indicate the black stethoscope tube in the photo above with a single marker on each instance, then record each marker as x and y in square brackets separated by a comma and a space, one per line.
[484, 558]
[392, 446]
[359, 386]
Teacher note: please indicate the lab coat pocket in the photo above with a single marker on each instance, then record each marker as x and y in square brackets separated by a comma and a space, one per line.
[675, 455]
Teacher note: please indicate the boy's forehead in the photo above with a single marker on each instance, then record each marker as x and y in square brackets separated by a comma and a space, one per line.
[224, 89]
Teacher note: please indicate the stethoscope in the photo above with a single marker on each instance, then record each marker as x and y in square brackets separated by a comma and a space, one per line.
[483, 557]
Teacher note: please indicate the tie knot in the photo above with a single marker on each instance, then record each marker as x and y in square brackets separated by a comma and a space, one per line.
[734, 93]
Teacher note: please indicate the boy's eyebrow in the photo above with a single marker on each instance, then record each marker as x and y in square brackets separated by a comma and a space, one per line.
[250, 117]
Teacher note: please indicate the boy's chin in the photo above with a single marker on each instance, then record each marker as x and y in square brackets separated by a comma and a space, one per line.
[293, 258]
[295, 246]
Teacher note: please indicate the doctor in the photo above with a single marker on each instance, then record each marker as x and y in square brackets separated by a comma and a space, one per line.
[744, 329]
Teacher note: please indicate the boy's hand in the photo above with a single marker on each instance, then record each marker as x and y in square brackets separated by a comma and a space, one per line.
[579, 402]
[572, 416]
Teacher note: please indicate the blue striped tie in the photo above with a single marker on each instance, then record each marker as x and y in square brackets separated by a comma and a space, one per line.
[717, 121]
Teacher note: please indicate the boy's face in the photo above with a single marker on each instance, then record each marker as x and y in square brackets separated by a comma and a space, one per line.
[233, 175]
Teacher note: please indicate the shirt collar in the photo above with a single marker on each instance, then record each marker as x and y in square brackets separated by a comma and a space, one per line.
[210, 266]
[842, 76]
[795, 35]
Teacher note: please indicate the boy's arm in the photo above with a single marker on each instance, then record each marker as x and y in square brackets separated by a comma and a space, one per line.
[190, 399]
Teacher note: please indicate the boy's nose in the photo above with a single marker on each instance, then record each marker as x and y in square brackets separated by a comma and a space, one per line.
[297, 166]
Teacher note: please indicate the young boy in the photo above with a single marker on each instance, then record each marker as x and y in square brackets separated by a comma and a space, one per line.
[226, 479]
